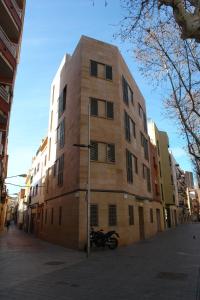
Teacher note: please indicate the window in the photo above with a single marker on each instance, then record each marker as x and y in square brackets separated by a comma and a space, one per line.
[94, 151]
[127, 92]
[53, 93]
[100, 70]
[127, 127]
[156, 189]
[131, 214]
[145, 122]
[45, 160]
[45, 217]
[101, 108]
[129, 167]
[135, 164]
[60, 169]
[94, 215]
[61, 134]
[144, 144]
[148, 180]
[158, 147]
[51, 122]
[109, 110]
[140, 110]
[110, 153]
[161, 187]
[144, 171]
[55, 168]
[49, 148]
[160, 169]
[60, 216]
[93, 107]
[62, 102]
[52, 215]
[102, 152]
[151, 215]
[112, 217]
[38, 167]
[36, 190]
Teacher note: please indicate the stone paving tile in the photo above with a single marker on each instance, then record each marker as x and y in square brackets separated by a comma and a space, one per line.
[164, 268]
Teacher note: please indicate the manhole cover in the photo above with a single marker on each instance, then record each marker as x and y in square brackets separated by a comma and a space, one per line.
[54, 263]
[172, 276]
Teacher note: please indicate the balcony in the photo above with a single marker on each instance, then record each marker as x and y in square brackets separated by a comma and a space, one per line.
[10, 19]
[4, 94]
[8, 54]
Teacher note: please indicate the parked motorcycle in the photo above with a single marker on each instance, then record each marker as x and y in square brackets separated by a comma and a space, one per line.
[101, 239]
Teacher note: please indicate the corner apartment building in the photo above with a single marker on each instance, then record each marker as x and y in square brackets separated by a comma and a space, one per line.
[121, 186]
[11, 23]
[161, 141]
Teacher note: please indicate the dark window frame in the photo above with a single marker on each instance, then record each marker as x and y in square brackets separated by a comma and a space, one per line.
[94, 215]
[112, 215]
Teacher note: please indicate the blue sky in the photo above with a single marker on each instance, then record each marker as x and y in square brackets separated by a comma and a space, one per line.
[52, 28]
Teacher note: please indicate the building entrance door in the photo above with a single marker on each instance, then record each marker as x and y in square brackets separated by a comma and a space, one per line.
[158, 219]
[141, 222]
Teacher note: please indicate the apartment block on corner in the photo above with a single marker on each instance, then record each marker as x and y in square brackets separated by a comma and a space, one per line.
[122, 197]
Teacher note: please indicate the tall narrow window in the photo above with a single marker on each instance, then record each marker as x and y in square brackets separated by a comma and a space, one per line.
[110, 152]
[51, 123]
[112, 215]
[49, 148]
[109, 110]
[53, 93]
[61, 134]
[60, 216]
[45, 218]
[94, 215]
[52, 215]
[145, 122]
[62, 102]
[108, 72]
[129, 167]
[60, 169]
[127, 127]
[93, 68]
[135, 164]
[148, 180]
[94, 107]
[133, 128]
[151, 215]
[125, 91]
[94, 150]
[131, 214]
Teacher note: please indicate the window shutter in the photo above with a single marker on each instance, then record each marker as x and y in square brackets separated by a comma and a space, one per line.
[108, 72]
[109, 110]
[93, 68]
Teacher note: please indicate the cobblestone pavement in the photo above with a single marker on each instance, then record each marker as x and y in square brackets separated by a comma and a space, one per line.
[165, 267]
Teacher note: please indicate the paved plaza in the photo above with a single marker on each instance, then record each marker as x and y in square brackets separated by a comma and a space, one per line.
[165, 267]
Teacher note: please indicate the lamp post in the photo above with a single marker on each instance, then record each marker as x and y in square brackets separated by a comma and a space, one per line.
[20, 175]
[88, 181]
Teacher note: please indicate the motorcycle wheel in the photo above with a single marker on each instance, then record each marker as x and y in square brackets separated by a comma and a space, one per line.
[113, 243]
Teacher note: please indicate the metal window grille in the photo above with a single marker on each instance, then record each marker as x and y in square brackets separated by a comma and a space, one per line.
[93, 107]
[110, 153]
[94, 150]
[112, 215]
[131, 214]
[94, 215]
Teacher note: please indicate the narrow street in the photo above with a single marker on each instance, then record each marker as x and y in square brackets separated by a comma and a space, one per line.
[165, 267]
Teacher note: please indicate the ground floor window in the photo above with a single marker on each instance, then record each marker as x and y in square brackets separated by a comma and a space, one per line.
[112, 215]
[131, 214]
[94, 215]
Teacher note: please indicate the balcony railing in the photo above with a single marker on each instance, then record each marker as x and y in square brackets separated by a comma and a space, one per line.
[11, 46]
[4, 94]
[18, 10]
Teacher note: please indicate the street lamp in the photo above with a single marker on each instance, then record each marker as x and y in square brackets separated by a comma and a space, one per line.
[88, 181]
[20, 175]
